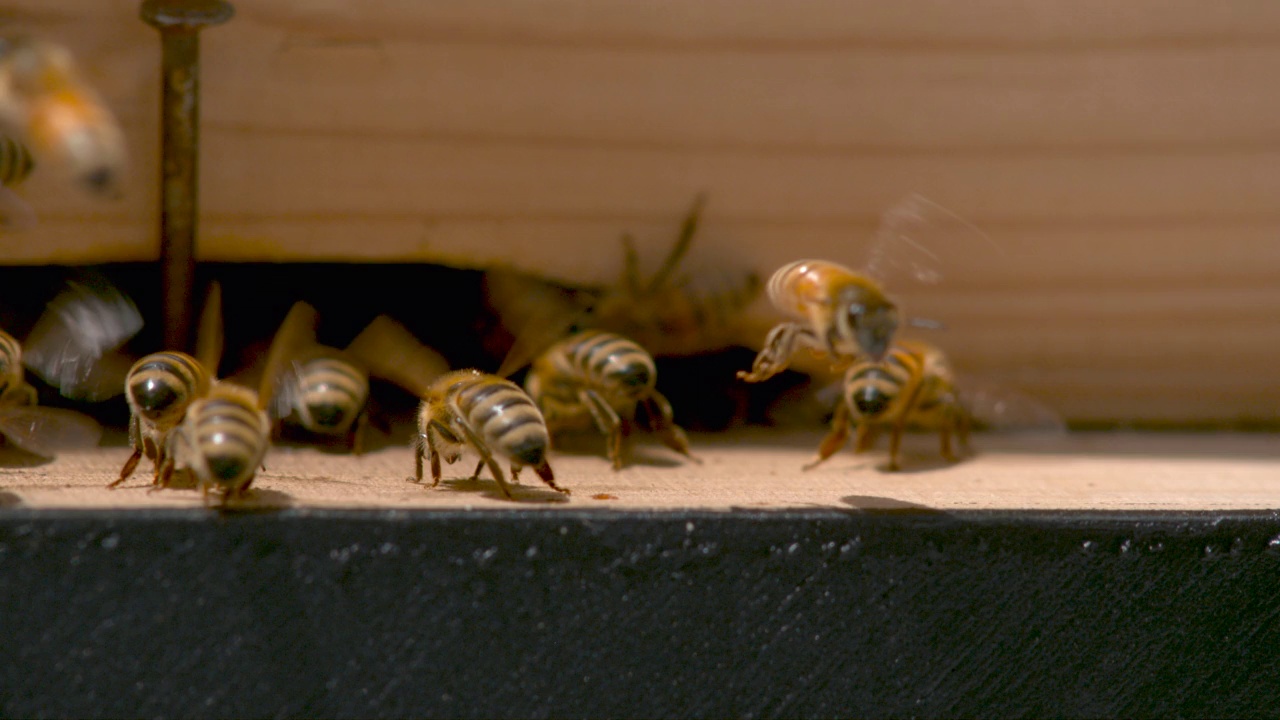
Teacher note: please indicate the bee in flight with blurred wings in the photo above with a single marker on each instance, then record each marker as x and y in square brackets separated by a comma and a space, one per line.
[844, 314]
[48, 112]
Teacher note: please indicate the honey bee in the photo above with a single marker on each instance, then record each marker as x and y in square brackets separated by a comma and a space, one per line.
[846, 314]
[602, 378]
[326, 390]
[38, 430]
[320, 388]
[46, 105]
[668, 313]
[160, 388]
[221, 441]
[490, 415]
[913, 385]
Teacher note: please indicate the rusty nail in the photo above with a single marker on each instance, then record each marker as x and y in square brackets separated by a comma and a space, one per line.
[179, 23]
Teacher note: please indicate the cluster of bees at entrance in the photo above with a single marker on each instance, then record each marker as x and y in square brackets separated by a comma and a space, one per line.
[590, 356]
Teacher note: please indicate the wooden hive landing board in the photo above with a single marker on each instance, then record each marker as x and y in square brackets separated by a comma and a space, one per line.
[751, 470]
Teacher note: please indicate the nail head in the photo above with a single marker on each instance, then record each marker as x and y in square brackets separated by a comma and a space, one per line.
[186, 14]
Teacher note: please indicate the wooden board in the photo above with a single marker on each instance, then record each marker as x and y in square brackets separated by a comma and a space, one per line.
[1122, 158]
[1103, 471]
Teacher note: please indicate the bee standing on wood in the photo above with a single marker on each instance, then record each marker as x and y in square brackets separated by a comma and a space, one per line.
[224, 435]
[162, 386]
[602, 378]
[912, 386]
[490, 415]
[38, 430]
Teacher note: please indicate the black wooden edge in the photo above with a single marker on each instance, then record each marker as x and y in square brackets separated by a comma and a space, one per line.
[535, 613]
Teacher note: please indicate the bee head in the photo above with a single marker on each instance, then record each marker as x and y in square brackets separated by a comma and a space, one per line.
[866, 320]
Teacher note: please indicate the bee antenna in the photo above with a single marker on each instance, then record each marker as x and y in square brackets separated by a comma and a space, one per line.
[678, 251]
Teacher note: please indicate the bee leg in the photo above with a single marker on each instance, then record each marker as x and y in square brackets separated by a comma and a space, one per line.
[357, 435]
[128, 468]
[476, 475]
[895, 445]
[779, 345]
[607, 422]
[630, 266]
[486, 458]
[545, 474]
[865, 438]
[835, 439]
[435, 456]
[945, 436]
[660, 421]
[417, 460]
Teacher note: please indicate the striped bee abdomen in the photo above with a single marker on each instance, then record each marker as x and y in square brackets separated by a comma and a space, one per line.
[160, 386]
[608, 362]
[16, 162]
[10, 361]
[872, 387]
[504, 416]
[229, 435]
[331, 393]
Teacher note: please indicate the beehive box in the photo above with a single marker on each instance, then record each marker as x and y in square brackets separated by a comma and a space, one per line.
[1117, 161]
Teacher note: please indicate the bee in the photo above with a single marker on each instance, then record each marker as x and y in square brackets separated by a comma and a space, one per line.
[159, 389]
[221, 441]
[492, 416]
[845, 314]
[601, 377]
[326, 390]
[46, 105]
[162, 386]
[668, 313]
[913, 385]
[38, 430]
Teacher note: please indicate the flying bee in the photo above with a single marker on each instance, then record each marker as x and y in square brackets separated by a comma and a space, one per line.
[47, 105]
[913, 385]
[38, 430]
[669, 313]
[845, 314]
[602, 378]
[326, 390]
[490, 415]
[160, 387]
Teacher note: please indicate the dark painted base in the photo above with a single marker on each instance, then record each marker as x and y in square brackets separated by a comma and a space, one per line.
[537, 614]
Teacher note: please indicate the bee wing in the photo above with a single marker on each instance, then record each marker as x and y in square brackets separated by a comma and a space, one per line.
[210, 335]
[80, 327]
[47, 431]
[535, 312]
[16, 214]
[918, 241]
[296, 333]
[388, 350]
[1002, 409]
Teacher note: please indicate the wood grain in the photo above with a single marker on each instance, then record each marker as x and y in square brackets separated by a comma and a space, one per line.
[1122, 158]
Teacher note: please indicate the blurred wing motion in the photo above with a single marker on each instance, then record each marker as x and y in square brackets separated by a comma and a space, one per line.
[72, 346]
[295, 335]
[999, 408]
[917, 241]
[536, 313]
[210, 335]
[48, 431]
[388, 350]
